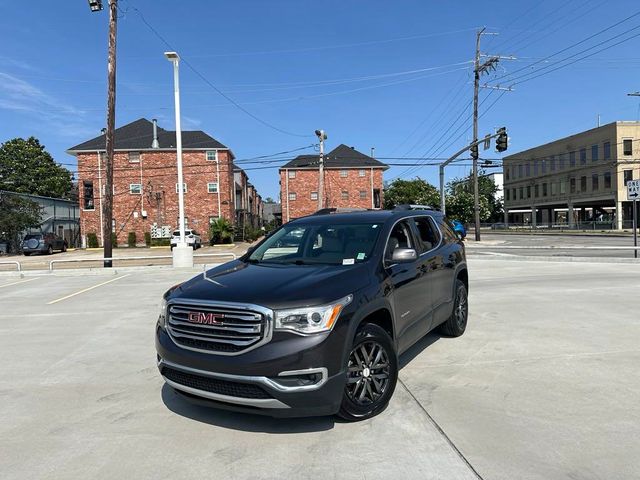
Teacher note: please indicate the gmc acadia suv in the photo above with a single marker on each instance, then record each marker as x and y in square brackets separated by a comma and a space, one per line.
[312, 320]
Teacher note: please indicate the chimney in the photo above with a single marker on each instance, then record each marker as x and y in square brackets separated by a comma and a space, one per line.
[155, 143]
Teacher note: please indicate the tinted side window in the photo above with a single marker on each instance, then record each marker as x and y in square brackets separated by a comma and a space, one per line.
[429, 235]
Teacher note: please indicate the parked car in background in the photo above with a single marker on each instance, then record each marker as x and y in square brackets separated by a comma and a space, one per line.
[459, 228]
[192, 238]
[42, 243]
[499, 226]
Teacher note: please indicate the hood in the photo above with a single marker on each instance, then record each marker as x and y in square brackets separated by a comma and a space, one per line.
[275, 286]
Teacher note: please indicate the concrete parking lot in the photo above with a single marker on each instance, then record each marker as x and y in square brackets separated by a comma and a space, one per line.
[544, 384]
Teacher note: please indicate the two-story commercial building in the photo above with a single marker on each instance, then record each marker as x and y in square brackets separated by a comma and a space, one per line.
[580, 178]
[145, 185]
[351, 179]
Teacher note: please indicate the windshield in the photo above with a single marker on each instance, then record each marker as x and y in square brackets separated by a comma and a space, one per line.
[37, 236]
[344, 244]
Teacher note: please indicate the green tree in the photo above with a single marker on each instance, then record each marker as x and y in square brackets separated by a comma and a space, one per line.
[221, 231]
[487, 194]
[26, 167]
[16, 215]
[415, 191]
[460, 207]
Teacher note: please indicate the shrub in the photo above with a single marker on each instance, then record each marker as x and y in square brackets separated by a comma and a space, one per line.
[220, 231]
[147, 239]
[131, 239]
[160, 242]
[92, 240]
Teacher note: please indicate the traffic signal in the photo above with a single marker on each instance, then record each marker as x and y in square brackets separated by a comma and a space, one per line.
[502, 141]
[474, 151]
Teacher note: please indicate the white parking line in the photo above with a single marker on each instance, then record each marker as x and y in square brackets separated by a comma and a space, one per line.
[87, 289]
[21, 281]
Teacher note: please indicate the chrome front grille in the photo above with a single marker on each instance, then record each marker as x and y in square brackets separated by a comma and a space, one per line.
[225, 329]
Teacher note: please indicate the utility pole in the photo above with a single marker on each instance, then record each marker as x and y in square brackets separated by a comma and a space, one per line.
[476, 86]
[322, 136]
[107, 217]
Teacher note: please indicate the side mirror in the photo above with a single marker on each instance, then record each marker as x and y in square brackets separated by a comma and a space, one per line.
[404, 255]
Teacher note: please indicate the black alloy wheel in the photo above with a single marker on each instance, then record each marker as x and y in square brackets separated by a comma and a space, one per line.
[456, 324]
[372, 373]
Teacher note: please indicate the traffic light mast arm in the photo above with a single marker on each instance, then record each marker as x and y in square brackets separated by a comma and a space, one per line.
[453, 157]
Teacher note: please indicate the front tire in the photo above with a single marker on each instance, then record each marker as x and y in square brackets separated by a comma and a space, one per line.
[372, 373]
[456, 324]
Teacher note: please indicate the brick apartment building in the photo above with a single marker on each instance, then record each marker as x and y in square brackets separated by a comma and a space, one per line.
[145, 182]
[351, 179]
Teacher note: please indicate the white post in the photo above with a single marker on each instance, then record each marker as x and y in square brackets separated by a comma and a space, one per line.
[218, 174]
[321, 174]
[182, 254]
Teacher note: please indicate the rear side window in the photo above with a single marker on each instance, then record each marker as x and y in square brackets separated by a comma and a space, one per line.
[448, 231]
[428, 234]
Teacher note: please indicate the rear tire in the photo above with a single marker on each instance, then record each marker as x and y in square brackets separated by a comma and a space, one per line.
[26, 254]
[456, 324]
[372, 373]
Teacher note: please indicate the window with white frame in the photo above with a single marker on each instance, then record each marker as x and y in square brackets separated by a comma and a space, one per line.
[292, 196]
[134, 157]
[135, 188]
[344, 173]
[363, 194]
[212, 155]
[345, 195]
[314, 195]
[362, 172]
[212, 187]
[184, 187]
[292, 174]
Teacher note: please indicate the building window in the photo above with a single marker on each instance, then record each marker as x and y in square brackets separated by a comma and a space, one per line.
[184, 187]
[544, 166]
[507, 193]
[87, 195]
[535, 167]
[513, 193]
[212, 155]
[362, 173]
[186, 223]
[594, 153]
[521, 193]
[583, 184]
[344, 195]
[135, 188]
[627, 146]
[506, 172]
[544, 189]
[594, 183]
[363, 194]
[344, 173]
[520, 172]
[292, 174]
[627, 175]
[314, 195]
[212, 187]
[528, 191]
[583, 156]
[292, 196]
[528, 169]
[607, 150]
[562, 162]
[554, 189]
[536, 190]
[563, 187]
[134, 157]
[607, 180]
[553, 163]
[572, 185]
[572, 159]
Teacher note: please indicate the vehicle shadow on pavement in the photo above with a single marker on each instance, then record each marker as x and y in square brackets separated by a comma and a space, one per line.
[417, 348]
[243, 421]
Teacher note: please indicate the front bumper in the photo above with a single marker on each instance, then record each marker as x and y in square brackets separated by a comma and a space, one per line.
[291, 376]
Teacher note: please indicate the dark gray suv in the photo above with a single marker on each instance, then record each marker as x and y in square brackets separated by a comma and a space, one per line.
[43, 243]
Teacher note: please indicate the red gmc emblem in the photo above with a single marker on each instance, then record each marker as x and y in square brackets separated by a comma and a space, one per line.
[206, 318]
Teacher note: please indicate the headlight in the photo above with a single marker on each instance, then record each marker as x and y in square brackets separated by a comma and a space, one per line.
[311, 319]
[162, 316]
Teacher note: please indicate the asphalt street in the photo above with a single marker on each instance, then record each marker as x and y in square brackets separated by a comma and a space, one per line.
[543, 385]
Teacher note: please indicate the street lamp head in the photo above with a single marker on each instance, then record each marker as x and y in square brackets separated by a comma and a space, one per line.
[321, 134]
[95, 5]
[172, 56]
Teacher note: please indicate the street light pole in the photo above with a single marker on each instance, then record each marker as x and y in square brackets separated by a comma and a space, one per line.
[322, 136]
[182, 254]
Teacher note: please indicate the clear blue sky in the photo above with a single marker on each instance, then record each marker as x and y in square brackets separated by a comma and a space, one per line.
[299, 65]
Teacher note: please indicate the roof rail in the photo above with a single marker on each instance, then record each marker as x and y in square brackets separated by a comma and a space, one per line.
[407, 206]
[326, 211]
